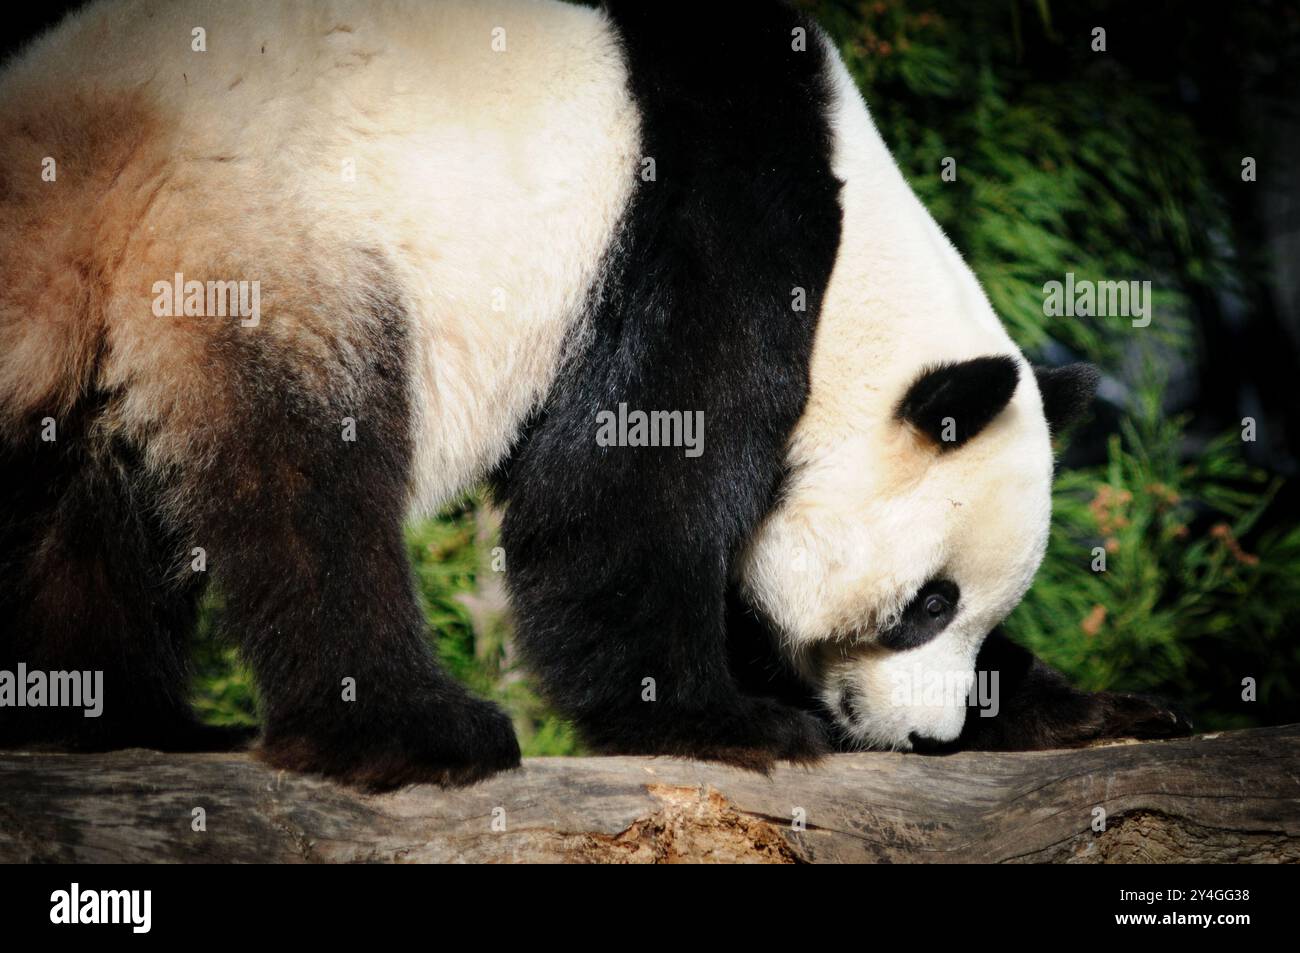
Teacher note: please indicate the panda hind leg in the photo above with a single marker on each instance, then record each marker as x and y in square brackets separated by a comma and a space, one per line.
[300, 506]
[88, 584]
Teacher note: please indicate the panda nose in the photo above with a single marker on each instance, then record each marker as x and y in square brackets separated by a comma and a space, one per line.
[922, 744]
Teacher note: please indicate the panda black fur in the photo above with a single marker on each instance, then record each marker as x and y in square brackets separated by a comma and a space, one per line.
[482, 176]
[619, 558]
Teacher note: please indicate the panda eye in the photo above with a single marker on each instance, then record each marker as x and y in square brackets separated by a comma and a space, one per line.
[929, 612]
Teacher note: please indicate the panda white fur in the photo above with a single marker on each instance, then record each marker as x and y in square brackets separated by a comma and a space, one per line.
[475, 225]
[879, 509]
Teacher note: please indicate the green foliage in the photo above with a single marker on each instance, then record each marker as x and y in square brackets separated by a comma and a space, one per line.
[1077, 171]
[1181, 607]
[223, 687]
[450, 556]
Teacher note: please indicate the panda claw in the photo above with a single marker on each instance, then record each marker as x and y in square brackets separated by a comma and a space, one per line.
[1140, 716]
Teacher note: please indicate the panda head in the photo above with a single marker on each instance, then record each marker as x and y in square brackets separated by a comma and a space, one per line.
[918, 501]
[897, 549]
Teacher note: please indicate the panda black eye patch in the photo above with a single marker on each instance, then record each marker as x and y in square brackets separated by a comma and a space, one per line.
[928, 614]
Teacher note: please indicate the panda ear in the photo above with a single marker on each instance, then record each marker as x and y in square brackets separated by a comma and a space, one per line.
[1067, 391]
[953, 402]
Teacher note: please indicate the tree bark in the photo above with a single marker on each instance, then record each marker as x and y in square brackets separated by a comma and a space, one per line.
[1229, 797]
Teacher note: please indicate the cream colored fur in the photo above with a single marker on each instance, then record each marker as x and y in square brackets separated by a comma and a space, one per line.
[874, 510]
[490, 181]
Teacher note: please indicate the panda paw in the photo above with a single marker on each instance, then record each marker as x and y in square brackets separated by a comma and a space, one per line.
[1073, 719]
[779, 733]
[752, 733]
[1102, 716]
[194, 736]
[453, 742]
[1121, 715]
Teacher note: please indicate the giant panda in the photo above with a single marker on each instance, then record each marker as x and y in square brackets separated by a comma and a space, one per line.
[473, 230]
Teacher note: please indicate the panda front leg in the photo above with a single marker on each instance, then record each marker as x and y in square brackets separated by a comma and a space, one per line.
[628, 644]
[632, 494]
[1037, 708]
[661, 444]
[619, 553]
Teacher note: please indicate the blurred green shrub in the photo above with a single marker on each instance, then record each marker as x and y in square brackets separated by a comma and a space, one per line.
[1182, 608]
[452, 560]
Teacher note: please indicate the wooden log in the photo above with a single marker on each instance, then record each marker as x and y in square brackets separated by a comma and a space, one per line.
[1229, 797]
